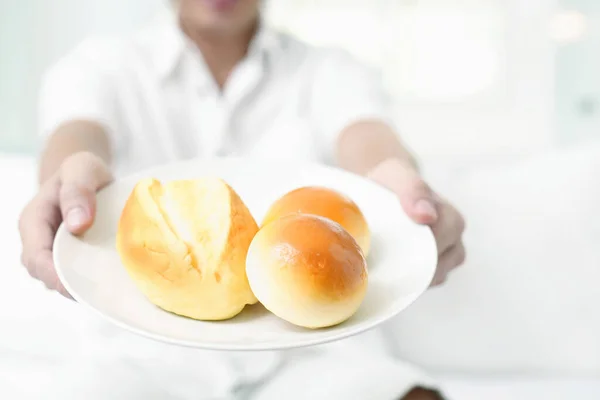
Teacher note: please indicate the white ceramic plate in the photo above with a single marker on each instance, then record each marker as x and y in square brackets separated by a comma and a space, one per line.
[401, 265]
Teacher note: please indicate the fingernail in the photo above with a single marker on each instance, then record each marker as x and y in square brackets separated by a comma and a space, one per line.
[76, 218]
[426, 208]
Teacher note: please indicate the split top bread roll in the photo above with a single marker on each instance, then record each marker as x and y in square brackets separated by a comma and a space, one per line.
[307, 270]
[326, 203]
[185, 245]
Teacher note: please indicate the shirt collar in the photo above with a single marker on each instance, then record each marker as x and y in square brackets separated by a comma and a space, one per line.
[171, 44]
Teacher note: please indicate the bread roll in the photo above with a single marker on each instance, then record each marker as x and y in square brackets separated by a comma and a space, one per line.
[326, 203]
[185, 245]
[307, 270]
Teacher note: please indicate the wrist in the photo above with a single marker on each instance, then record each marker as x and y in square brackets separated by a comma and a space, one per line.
[407, 162]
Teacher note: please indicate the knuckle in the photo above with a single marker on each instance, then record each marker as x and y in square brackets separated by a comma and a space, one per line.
[461, 257]
[49, 190]
[36, 261]
[454, 220]
[71, 191]
[71, 198]
[421, 186]
[22, 223]
[24, 217]
[436, 229]
[461, 224]
[84, 165]
[30, 265]
[42, 270]
[24, 259]
[415, 188]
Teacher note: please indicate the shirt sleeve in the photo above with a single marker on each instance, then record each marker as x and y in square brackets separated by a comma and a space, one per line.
[80, 86]
[345, 91]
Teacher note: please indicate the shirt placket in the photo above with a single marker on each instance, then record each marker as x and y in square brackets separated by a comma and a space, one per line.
[243, 82]
[215, 126]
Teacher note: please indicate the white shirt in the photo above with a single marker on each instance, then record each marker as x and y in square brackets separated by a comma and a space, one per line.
[157, 101]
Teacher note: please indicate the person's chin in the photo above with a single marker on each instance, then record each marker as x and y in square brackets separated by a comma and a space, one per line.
[220, 6]
[211, 16]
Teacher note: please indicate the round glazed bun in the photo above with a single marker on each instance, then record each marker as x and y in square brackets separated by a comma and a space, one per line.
[307, 270]
[326, 203]
[184, 245]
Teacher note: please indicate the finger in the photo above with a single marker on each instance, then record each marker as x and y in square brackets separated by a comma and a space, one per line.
[77, 205]
[449, 228]
[38, 224]
[37, 237]
[43, 269]
[453, 257]
[82, 175]
[37, 227]
[415, 195]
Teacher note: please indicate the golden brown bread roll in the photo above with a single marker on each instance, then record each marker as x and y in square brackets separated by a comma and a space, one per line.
[326, 203]
[185, 245]
[307, 270]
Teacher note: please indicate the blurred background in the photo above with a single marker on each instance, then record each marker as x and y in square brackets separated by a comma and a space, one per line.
[477, 79]
[499, 89]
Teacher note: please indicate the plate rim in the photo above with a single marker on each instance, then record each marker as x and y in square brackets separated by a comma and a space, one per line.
[309, 342]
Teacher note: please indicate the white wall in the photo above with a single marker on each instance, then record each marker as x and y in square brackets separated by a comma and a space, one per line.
[473, 79]
[578, 78]
[517, 118]
[33, 34]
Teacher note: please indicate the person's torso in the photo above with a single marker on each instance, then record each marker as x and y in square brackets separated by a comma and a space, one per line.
[262, 111]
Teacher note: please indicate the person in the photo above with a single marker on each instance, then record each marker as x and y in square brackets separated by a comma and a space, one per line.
[214, 80]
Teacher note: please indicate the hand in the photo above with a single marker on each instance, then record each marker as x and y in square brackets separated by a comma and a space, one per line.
[69, 195]
[426, 207]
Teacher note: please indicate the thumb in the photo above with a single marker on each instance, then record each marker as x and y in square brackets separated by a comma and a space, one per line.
[419, 203]
[416, 197]
[82, 175]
